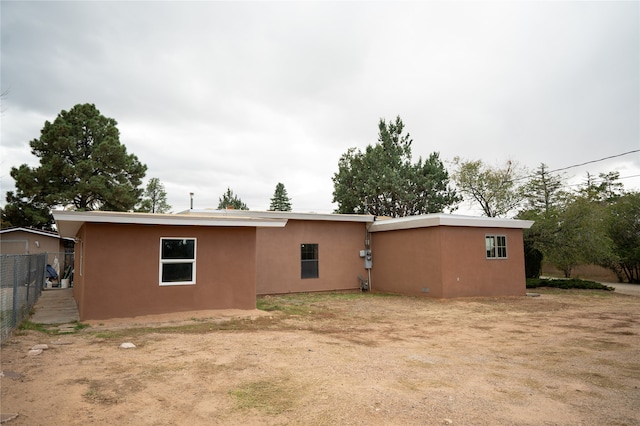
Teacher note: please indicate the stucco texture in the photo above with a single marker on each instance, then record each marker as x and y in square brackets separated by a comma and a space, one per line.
[447, 262]
[119, 270]
[339, 262]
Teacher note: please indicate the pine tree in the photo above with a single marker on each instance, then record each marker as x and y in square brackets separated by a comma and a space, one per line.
[383, 180]
[82, 164]
[154, 199]
[280, 202]
[231, 201]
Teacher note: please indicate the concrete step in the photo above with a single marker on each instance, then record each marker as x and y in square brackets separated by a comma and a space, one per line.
[56, 306]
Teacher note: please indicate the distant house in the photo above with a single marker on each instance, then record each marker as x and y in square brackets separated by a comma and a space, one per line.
[30, 241]
[130, 264]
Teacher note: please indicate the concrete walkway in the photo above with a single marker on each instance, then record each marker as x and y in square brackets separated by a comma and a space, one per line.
[56, 306]
[630, 289]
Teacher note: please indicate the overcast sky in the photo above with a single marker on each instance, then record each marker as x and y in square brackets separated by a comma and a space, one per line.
[211, 95]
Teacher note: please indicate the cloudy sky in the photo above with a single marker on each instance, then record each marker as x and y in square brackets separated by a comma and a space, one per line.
[211, 95]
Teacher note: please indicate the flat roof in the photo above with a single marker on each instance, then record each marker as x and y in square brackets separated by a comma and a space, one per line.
[441, 219]
[69, 222]
[335, 217]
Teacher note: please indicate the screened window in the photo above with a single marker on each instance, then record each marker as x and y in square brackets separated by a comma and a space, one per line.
[496, 246]
[309, 260]
[177, 261]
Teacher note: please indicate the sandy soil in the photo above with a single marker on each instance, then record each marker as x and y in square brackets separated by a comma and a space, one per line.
[565, 358]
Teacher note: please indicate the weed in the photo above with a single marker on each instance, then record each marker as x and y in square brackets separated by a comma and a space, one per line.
[42, 328]
[270, 397]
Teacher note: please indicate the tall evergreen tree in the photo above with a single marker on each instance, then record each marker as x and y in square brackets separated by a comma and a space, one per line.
[26, 213]
[82, 164]
[280, 201]
[383, 181]
[231, 201]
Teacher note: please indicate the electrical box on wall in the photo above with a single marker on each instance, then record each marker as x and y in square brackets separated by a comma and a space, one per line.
[363, 253]
[368, 260]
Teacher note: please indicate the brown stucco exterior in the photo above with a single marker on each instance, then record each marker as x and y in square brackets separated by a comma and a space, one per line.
[339, 261]
[117, 270]
[241, 254]
[446, 262]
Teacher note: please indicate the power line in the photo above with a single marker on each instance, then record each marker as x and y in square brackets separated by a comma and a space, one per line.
[594, 161]
[583, 164]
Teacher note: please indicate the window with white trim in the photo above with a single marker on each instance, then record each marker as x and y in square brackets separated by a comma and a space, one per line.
[177, 261]
[496, 246]
[309, 261]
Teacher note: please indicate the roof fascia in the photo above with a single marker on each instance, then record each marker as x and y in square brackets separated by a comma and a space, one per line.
[334, 217]
[70, 222]
[431, 220]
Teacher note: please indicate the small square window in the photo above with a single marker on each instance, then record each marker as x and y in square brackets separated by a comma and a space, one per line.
[496, 246]
[309, 261]
[177, 261]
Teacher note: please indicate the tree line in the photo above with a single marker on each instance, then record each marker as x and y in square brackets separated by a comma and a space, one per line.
[83, 166]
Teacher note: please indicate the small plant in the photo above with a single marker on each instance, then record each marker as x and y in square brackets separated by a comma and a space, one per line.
[32, 326]
[271, 397]
[50, 329]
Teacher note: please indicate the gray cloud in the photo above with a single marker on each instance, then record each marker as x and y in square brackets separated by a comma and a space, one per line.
[246, 95]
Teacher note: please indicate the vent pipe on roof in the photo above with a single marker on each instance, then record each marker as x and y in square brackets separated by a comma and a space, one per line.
[191, 199]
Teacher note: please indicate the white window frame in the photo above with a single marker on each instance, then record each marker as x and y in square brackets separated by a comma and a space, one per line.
[174, 261]
[315, 260]
[495, 246]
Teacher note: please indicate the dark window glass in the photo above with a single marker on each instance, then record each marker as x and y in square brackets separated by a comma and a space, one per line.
[177, 272]
[178, 249]
[496, 246]
[309, 260]
[501, 246]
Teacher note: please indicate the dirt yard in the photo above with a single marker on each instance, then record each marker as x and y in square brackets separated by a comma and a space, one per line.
[564, 358]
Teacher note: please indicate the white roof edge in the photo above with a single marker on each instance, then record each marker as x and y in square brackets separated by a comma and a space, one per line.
[69, 222]
[282, 215]
[441, 219]
[34, 231]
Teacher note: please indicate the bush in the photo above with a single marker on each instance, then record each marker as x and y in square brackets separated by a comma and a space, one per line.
[567, 284]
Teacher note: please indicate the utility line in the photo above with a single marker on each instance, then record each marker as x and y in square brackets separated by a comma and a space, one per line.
[594, 161]
[583, 164]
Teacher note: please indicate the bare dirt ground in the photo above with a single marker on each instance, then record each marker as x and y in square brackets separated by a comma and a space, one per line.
[565, 358]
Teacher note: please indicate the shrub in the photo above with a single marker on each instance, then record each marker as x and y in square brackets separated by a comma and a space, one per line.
[567, 284]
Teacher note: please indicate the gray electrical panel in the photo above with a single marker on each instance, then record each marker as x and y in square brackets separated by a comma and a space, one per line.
[368, 261]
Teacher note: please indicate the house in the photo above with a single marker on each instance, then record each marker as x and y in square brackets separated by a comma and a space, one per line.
[449, 256]
[130, 264]
[18, 240]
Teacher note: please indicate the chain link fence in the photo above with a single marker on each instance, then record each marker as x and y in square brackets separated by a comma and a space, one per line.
[21, 282]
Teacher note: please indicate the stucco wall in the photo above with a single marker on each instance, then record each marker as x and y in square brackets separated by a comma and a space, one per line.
[448, 261]
[467, 272]
[339, 245]
[120, 270]
[407, 262]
